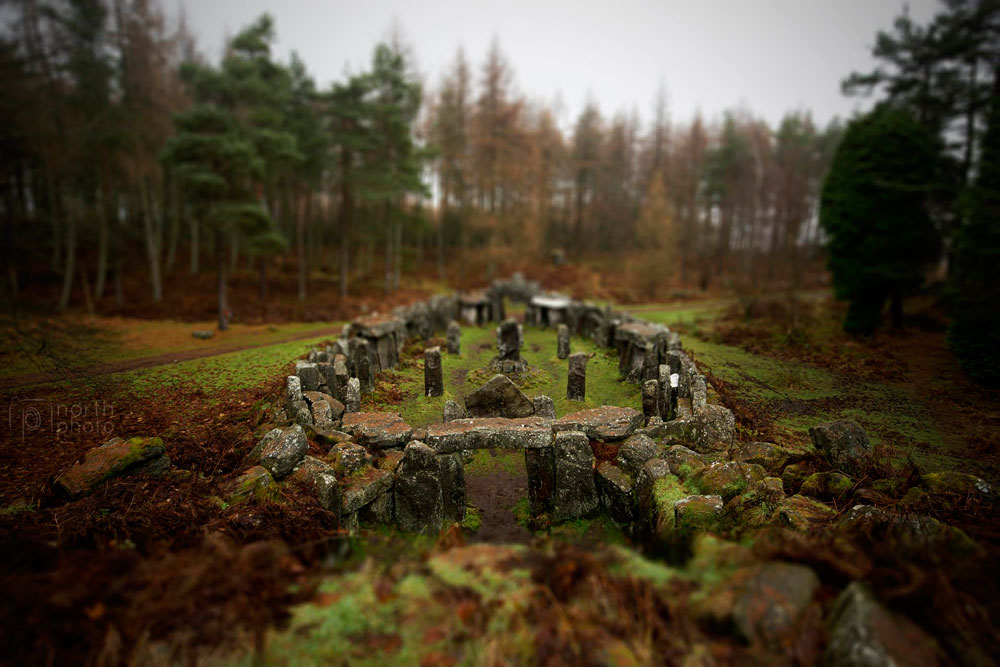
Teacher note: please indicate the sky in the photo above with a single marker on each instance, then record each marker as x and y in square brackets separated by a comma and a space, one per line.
[766, 56]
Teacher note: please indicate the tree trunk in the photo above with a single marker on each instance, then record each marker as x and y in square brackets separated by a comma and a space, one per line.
[175, 226]
[399, 254]
[193, 228]
[388, 249]
[69, 266]
[262, 262]
[896, 309]
[442, 216]
[102, 244]
[220, 260]
[152, 240]
[119, 295]
[300, 242]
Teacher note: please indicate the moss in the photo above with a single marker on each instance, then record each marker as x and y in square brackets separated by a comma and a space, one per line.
[17, 507]
[631, 564]
[473, 520]
[522, 512]
[666, 491]
[485, 461]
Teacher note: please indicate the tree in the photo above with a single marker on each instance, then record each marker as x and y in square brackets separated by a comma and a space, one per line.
[874, 209]
[975, 329]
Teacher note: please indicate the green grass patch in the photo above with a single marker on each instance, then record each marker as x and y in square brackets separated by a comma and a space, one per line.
[486, 461]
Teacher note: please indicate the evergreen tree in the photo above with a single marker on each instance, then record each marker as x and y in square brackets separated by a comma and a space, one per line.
[874, 211]
[975, 329]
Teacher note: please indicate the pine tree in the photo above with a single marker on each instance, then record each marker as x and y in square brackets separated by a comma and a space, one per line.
[874, 211]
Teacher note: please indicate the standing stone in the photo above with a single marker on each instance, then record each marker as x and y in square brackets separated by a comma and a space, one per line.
[454, 338]
[509, 341]
[433, 374]
[540, 465]
[562, 341]
[362, 360]
[309, 375]
[419, 498]
[453, 411]
[452, 487]
[499, 397]
[352, 402]
[650, 392]
[576, 382]
[340, 377]
[544, 407]
[576, 493]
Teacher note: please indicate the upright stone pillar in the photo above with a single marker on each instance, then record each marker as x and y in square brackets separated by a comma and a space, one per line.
[340, 377]
[650, 390]
[576, 382]
[454, 338]
[352, 400]
[509, 341]
[433, 378]
[361, 357]
[562, 341]
[575, 491]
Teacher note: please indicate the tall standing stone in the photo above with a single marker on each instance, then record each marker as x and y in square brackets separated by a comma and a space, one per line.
[340, 377]
[352, 399]
[562, 341]
[433, 375]
[419, 497]
[576, 382]
[575, 491]
[361, 356]
[663, 393]
[454, 338]
[509, 341]
[650, 392]
[540, 465]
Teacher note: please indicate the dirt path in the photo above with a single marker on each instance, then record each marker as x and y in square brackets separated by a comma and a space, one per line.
[495, 494]
[28, 379]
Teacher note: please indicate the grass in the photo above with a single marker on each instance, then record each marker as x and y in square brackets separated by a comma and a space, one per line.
[402, 389]
[485, 461]
[85, 342]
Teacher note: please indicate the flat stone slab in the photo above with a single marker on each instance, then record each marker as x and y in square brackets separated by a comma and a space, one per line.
[477, 298]
[378, 429]
[361, 490]
[637, 332]
[377, 326]
[606, 423]
[489, 432]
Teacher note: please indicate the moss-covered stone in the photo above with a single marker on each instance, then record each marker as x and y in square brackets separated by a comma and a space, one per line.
[959, 484]
[768, 455]
[257, 485]
[726, 478]
[827, 486]
[804, 513]
[112, 459]
[796, 473]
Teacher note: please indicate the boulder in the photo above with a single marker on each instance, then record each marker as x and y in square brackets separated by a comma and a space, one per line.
[256, 483]
[280, 454]
[320, 477]
[772, 602]
[607, 423]
[804, 513]
[544, 407]
[418, 494]
[727, 478]
[863, 632]
[203, 334]
[350, 457]
[827, 486]
[326, 410]
[114, 458]
[796, 473]
[697, 512]
[379, 512]
[655, 491]
[575, 491]
[845, 445]
[634, 452]
[683, 462]
[378, 429]
[711, 429]
[616, 489]
[772, 457]
[499, 397]
[453, 411]
[960, 484]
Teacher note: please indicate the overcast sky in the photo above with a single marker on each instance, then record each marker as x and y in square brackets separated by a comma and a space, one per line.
[770, 56]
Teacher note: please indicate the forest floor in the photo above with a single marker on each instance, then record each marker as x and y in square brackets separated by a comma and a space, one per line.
[151, 570]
